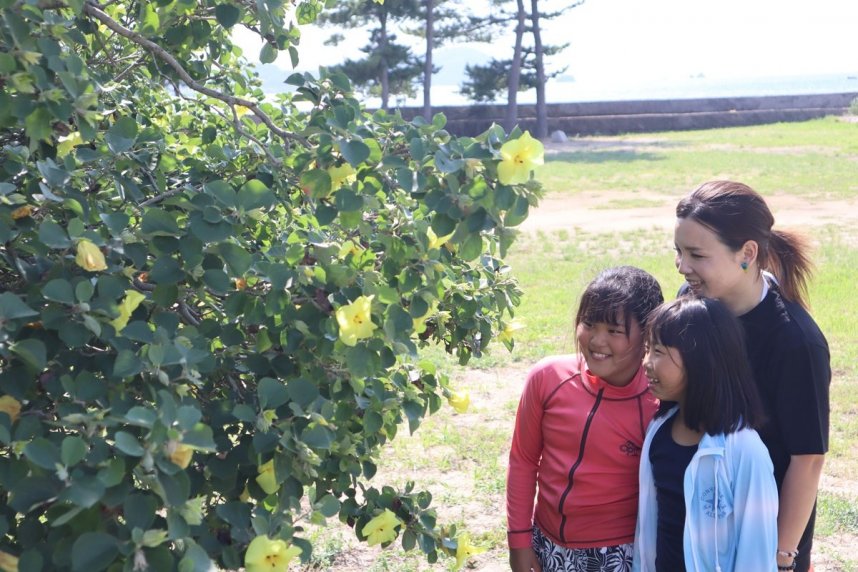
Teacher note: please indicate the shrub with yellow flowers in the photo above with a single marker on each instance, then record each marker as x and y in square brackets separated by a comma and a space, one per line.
[212, 302]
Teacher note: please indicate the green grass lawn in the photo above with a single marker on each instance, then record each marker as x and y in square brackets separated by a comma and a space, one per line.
[461, 458]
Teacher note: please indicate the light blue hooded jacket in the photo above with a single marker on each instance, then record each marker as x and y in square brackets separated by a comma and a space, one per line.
[742, 534]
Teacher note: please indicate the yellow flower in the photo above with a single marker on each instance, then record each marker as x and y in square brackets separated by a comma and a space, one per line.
[341, 175]
[11, 407]
[355, 320]
[68, 142]
[382, 528]
[460, 400]
[434, 240]
[266, 479]
[181, 455]
[22, 212]
[518, 158]
[466, 550]
[126, 308]
[350, 247]
[267, 555]
[8, 563]
[89, 256]
[509, 330]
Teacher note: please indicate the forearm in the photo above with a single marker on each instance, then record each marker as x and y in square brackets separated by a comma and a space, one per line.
[797, 497]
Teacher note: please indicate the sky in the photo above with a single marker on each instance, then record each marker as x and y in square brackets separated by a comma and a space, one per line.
[635, 42]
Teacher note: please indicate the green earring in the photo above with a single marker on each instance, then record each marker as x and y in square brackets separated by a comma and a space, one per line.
[744, 266]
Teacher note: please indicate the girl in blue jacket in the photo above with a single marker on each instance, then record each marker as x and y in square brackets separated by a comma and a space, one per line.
[708, 499]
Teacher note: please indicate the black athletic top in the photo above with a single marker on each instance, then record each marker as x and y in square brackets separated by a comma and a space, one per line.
[669, 461]
[791, 364]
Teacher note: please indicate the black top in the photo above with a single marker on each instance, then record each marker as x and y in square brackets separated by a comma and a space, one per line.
[669, 461]
[791, 364]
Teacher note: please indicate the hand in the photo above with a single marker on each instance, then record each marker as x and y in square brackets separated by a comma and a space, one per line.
[523, 560]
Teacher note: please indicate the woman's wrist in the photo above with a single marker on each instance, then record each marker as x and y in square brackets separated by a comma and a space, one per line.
[786, 559]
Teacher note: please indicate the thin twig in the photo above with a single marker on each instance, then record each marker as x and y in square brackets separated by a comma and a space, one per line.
[93, 11]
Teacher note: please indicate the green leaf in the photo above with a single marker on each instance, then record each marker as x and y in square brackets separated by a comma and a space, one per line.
[93, 552]
[254, 194]
[42, 453]
[516, 215]
[157, 222]
[122, 134]
[316, 183]
[53, 235]
[302, 391]
[222, 191]
[38, 125]
[73, 450]
[354, 151]
[149, 20]
[318, 437]
[32, 352]
[328, 505]
[12, 307]
[237, 259]
[272, 393]
[268, 53]
[127, 443]
[472, 247]
[84, 492]
[227, 15]
[59, 290]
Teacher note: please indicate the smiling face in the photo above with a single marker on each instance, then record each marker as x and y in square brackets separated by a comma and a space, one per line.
[710, 267]
[665, 372]
[611, 352]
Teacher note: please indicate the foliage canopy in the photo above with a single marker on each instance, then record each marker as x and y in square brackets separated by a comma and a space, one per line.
[176, 257]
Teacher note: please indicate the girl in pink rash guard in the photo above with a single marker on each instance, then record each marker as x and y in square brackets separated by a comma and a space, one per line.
[572, 487]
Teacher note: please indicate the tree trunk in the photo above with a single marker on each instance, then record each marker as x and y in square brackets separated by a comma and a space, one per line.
[427, 63]
[382, 63]
[541, 112]
[515, 71]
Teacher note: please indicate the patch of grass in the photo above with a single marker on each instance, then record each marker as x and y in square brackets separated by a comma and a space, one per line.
[836, 513]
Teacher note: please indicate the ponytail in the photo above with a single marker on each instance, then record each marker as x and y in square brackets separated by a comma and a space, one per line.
[787, 258]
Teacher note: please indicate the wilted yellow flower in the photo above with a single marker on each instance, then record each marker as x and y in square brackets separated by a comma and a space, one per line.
[466, 550]
[355, 320]
[518, 158]
[341, 175]
[509, 330]
[240, 283]
[434, 240]
[382, 528]
[8, 563]
[267, 555]
[126, 308]
[22, 212]
[241, 111]
[460, 400]
[89, 256]
[11, 407]
[266, 479]
[182, 455]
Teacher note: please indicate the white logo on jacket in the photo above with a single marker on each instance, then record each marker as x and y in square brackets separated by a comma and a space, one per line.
[707, 498]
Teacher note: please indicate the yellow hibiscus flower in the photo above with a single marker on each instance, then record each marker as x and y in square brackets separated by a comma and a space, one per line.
[89, 256]
[460, 400]
[266, 479]
[382, 528]
[465, 550]
[22, 212]
[518, 158]
[355, 320]
[269, 555]
[341, 175]
[181, 455]
[11, 407]
[509, 330]
[434, 240]
[126, 308]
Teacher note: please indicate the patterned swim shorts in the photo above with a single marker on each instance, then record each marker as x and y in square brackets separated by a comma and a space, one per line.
[555, 558]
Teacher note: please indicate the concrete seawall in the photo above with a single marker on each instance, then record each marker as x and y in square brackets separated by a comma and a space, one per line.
[616, 117]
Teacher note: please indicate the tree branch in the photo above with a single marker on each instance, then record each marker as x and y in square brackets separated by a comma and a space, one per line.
[93, 11]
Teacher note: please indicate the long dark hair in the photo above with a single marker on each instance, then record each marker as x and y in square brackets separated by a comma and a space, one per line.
[621, 290]
[737, 214]
[720, 395]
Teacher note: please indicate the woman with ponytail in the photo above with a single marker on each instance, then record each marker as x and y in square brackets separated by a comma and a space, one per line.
[727, 249]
